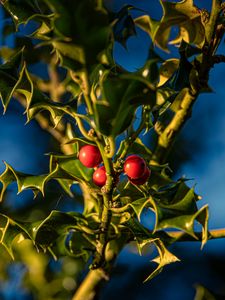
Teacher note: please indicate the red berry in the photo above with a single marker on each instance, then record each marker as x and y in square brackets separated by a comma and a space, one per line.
[90, 156]
[99, 176]
[141, 180]
[134, 166]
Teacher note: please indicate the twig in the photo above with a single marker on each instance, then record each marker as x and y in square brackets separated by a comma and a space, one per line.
[182, 236]
[211, 25]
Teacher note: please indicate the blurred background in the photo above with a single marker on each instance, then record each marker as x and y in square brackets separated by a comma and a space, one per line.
[200, 155]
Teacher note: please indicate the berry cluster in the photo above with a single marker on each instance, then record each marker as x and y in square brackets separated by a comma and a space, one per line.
[136, 170]
[134, 167]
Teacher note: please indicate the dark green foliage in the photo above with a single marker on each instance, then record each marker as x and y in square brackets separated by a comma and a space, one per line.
[79, 36]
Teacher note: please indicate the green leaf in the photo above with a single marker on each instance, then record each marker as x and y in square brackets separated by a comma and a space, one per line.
[9, 77]
[26, 181]
[185, 15]
[188, 49]
[115, 104]
[57, 110]
[181, 213]
[78, 245]
[124, 26]
[79, 141]
[165, 257]
[24, 11]
[53, 233]
[78, 27]
[159, 178]
[71, 56]
[129, 192]
[174, 206]
[9, 230]
[139, 205]
[63, 167]
[167, 69]
[182, 14]
[72, 166]
[180, 78]
[139, 147]
[14, 77]
[144, 237]
[148, 24]
[55, 225]
[203, 218]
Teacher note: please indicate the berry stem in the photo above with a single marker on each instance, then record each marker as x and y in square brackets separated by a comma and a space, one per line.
[112, 147]
[124, 147]
[106, 212]
[82, 129]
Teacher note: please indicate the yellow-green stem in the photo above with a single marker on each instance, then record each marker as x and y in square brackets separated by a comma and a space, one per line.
[211, 25]
[122, 152]
[82, 129]
[106, 212]
[167, 137]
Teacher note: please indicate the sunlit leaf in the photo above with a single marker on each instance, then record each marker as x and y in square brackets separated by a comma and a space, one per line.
[9, 77]
[165, 257]
[9, 230]
[182, 14]
[66, 167]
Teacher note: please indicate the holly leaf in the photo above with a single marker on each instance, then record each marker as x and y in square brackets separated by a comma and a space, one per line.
[167, 69]
[181, 213]
[165, 257]
[26, 181]
[9, 230]
[56, 224]
[138, 206]
[9, 77]
[77, 28]
[182, 14]
[57, 110]
[25, 11]
[66, 167]
[148, 24]
[78, 245]
[123, 26]
[53, 233]
[115, 104]
[72, 166]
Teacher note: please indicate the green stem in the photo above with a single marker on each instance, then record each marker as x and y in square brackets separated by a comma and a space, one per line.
[219, 36]
[211, 25]
[106, 212]
[88, 103]
[82, 129]
[112, 147]
[82, 80]
[122, 152]
[167, 137]
[90, 286]
[86, 92]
